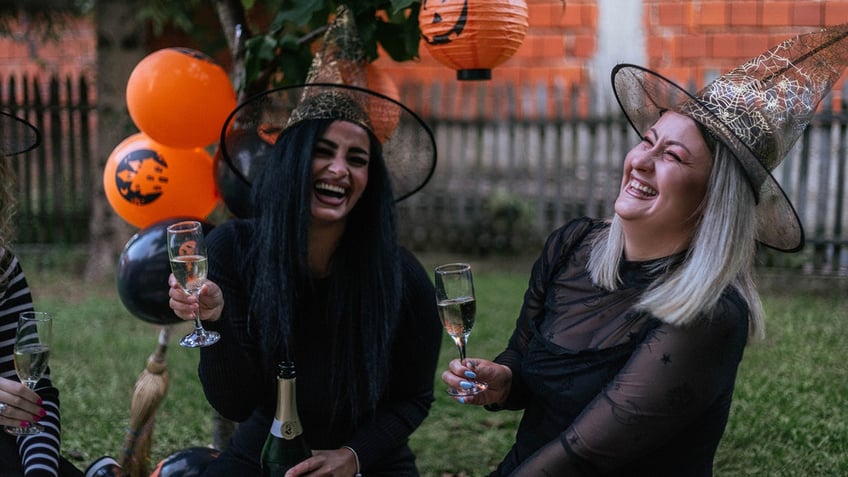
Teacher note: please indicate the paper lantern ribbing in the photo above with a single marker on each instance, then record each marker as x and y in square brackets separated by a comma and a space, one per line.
[473, 36]
[180, 97]
[146, 181]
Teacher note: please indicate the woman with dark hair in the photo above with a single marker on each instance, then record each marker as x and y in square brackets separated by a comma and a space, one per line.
[317, 276]
[625, 351]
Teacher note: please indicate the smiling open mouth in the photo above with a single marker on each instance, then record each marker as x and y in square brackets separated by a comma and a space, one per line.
[645, 190]
[330, 190]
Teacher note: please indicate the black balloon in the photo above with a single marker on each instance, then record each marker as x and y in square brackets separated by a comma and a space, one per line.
[142, 275]
[245, 157]
[188, 462]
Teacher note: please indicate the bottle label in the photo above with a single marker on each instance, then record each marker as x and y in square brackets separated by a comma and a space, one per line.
[286, 430]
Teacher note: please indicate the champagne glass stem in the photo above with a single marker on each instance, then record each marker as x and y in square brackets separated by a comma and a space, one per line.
[460, 345]
[200, 337]
[198, 326]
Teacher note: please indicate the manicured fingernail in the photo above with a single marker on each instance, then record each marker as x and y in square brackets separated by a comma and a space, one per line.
[461, 400]
[25, 424]
[465, 385]
[36, 418]
[471, 375]
[42, 413]
[40, 401]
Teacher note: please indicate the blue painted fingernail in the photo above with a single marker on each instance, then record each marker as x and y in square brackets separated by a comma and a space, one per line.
[461, 400]
[471, 375]
[465, 385]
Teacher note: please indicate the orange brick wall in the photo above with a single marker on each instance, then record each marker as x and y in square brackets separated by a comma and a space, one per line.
[685, 40]
[23, 54]
[690, 39]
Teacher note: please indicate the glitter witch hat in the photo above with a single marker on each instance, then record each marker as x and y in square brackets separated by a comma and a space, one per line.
[758, 110]
[336, 88]
[16, 135]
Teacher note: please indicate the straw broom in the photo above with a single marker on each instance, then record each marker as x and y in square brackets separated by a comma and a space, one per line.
[150, 390]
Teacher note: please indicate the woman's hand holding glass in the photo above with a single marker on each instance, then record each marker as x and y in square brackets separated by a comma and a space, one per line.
[207, 304]
[457, 305]
[498, 379]
[187, 253]
[22, 404]
[33, 339]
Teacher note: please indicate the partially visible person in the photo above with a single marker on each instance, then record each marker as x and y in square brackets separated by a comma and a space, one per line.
[35, 455]
[625, 352]
[318, 277]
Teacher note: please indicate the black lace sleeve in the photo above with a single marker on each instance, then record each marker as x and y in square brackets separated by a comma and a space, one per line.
[557, 247]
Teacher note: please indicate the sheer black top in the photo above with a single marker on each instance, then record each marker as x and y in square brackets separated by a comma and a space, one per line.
[607, 390]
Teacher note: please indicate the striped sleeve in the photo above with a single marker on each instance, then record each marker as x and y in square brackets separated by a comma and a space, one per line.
[40, 452]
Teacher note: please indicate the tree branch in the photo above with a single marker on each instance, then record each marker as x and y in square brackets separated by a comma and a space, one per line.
[233, 21]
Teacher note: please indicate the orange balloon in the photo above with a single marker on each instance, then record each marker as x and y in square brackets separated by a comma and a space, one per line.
[384, 115]
[473, 36]
[146, 182]
[180, 97]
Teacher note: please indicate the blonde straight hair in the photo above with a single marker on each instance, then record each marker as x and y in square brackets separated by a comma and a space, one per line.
[721, 254]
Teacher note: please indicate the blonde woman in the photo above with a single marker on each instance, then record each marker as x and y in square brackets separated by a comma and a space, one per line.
[625, 352]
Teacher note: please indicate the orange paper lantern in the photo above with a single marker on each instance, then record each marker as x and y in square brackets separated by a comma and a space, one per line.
[180, 97]
[473, 36]
[146, 182]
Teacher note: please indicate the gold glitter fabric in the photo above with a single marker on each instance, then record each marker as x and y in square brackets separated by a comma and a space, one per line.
[16, 135]
[758, 109]
[336, 88]
[341, 60]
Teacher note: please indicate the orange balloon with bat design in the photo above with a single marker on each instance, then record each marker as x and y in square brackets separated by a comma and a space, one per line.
[146, 182]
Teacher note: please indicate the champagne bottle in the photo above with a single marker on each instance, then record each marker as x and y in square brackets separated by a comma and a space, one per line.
[285, 445]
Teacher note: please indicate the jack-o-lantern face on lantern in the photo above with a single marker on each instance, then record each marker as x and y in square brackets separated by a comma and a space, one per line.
[445, 16]
[472, 36]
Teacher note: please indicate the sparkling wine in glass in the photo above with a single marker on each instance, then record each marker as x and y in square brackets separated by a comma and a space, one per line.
[187, 253]
[457, 309]
[32, 352]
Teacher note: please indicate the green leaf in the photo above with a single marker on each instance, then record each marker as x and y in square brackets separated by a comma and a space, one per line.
[368, 35]
[300, 12]
[398, 6]
[400, 40]
[294, 64]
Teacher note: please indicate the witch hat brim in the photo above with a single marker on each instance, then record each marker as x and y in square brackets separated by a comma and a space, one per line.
[409, 148]
[337, 88]
[758, 110]
[17, 136]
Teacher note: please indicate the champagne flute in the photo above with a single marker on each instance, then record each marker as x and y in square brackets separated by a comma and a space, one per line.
[187, 253]
[32, 351]
[457, 309]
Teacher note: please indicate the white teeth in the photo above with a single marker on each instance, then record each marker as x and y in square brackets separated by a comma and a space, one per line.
[642, 188]
[330, 187]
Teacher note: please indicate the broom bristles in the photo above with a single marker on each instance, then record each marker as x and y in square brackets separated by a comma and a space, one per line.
[150, 389]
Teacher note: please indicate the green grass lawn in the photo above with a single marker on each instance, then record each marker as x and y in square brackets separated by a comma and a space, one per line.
[789, 417]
